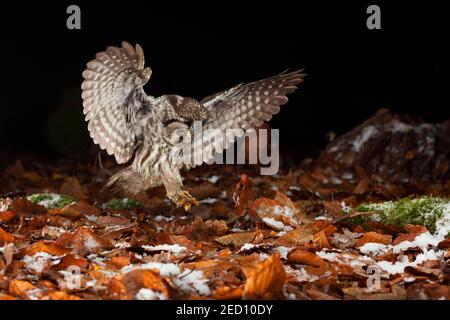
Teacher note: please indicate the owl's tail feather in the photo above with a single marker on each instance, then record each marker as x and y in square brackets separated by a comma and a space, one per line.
[126, 182]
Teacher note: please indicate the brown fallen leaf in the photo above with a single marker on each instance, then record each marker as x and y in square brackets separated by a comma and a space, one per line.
[228, 293]
[125, 287]
[412, 228]
[375, 237]
[107, 221]
[242, 195]
[60, 295]
[361, 187]
[73, 188]
[266, 280]
[405, 237]
[240, 238]
[299, 236]
[444, 244]
[72, 260]
[427, 291]
[24, 206]
[51, 232]
[41, 246]
[19, 288]
[6, 237]
[8, 253]
[4, 296]
[119, 261]
[320, 240]
[7, 216]
[84, 241]
[319, 295]
[305, 257]
[397, 292]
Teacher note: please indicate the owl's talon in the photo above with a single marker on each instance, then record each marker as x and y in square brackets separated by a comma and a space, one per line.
[183, 199]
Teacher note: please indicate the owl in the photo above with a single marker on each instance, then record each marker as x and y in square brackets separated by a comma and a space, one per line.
[138, 129]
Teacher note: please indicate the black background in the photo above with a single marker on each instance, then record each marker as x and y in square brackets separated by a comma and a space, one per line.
[198, 49]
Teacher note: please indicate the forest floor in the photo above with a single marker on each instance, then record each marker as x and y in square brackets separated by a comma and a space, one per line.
[301, 234]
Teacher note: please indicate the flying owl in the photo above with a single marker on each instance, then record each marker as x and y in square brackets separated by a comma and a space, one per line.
[138, 129]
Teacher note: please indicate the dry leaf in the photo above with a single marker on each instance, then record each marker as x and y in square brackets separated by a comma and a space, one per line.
[19, 288]
[305, 257]
[266, 280]
[6, 237]
[374, 237]
[84, 241]
[6, 216]
[240, 238]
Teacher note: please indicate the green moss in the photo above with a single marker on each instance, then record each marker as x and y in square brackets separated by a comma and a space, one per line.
[51, 200]
[122, 203]
[423, 210]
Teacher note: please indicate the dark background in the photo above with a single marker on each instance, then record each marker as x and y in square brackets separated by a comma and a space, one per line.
[199, 49]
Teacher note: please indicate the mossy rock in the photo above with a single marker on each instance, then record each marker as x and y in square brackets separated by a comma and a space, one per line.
[424, 211]
[51, 200]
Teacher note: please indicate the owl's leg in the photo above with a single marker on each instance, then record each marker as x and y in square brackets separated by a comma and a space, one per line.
[171, 179]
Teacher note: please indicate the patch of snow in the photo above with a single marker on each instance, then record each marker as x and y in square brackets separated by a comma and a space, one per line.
[422, 241]
[324, 218]
[122, 245]
[347, 176]
[399, 266]
[223, 194]
[335, 180]
[248, 246]
[39, 260]
[97, 260]
[330, 256]
[159, 218]
[300, 274]
[91, 217]
[397, 126]
[90, 243]
[52, 201]
[148, 294]
[281, 233]
[208, 200]
[365, 136]
[372, 248]
[283, 211]
[174, 248]
[164, 269]
[213, 179]
[34, 294]
[263, 256]
[193, 280]
[283, 251]
[271, 222]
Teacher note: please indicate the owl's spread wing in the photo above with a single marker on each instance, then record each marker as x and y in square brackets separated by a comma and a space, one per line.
[245, 106]
[114, 99]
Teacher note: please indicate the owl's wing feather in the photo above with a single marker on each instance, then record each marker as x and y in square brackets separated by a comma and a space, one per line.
[245, 106]
[114, 99]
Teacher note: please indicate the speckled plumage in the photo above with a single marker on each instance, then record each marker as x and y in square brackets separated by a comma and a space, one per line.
[135, 127]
